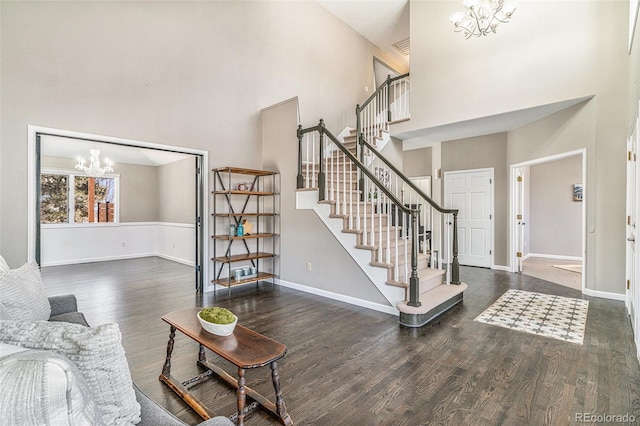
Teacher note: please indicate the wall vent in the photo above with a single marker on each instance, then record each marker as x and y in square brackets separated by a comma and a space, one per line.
[402, 46]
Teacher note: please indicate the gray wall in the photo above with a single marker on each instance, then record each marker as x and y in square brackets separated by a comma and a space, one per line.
[304, 238]
[555, 219]
[393, 152]
[192, 74]
[478, 153]
[417, 162]
[177, 192]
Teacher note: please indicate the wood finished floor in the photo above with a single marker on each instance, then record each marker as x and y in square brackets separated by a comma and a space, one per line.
[352, 366]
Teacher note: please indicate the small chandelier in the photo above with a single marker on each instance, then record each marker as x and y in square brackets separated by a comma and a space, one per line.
[94, 169]
[482, 16]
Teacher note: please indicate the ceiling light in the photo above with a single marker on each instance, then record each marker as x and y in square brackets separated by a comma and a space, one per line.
[482, 17]
[94, 169]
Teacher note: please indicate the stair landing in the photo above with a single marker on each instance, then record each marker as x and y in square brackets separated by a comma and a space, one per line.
[432, 303]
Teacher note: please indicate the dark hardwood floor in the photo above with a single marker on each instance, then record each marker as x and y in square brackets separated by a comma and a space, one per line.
[352, 366]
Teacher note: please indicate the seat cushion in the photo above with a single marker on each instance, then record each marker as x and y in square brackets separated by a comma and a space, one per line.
[44, 388]
[22, 294]
[96, 351]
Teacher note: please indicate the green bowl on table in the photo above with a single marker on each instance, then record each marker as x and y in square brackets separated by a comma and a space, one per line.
[217, 320]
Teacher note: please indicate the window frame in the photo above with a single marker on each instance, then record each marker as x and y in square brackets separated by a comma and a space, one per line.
[71, 201]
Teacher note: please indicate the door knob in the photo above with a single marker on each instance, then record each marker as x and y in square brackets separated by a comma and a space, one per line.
[632, 239]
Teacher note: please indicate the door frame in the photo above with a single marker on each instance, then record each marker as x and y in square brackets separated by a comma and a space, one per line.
[33, 172]
[512, 206]
[492, 249]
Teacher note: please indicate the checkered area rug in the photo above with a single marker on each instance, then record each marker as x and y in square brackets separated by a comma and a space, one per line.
[542, 314]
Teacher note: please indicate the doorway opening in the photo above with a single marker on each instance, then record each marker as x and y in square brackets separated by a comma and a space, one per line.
[548, 219]
[155, 208]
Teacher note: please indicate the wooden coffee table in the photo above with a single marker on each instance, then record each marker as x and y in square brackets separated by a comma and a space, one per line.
[244, 348]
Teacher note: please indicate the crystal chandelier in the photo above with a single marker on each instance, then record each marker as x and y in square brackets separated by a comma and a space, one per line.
[94, 169]
[482, 16]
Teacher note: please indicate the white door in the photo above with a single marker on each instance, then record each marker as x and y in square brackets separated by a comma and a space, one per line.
[632, 210]
[471, 193]
[520, 219]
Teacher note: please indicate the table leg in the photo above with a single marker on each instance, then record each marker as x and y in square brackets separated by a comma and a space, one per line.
[242, 397]
[275, 377]
[202, 357]
[166, 369]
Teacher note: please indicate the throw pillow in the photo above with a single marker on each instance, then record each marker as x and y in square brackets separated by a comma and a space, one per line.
[3, 265]
[22, 294]
[98, 354]
[44, 388]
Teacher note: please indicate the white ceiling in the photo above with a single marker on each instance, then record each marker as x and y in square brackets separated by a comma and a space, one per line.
[382, 22]
[72, 148]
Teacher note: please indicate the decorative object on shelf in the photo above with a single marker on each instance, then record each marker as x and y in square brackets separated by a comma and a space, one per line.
[217, 320]
[482, 17]
[248, 227]
[240, 230]
[245, 186]
[94, 169]
[232, 230]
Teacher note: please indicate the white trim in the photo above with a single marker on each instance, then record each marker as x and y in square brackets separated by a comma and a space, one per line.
[294, 98]
[99, 259]
[175, 259]
[512, 209]
[604, 294]
[633, 20]
[31, 184]
[340, 297]
[98, 225]
[132, 256]
[501, 268]
[554, 256]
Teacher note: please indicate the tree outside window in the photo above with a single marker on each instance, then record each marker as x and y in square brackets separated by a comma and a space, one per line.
[94, 199]
[90, 200]
[54, 198]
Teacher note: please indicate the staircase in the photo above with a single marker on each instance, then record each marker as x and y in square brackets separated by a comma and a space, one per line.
[393, 230]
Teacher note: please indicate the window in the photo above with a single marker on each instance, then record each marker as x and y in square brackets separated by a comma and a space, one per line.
[53, 198]
[73, 198]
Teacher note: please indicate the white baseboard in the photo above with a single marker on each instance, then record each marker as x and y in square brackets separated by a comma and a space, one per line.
[176, 259]
[501, 268]
[554, 256]
[604, 294]
[341, 297]
[98, 259]
[124, 257]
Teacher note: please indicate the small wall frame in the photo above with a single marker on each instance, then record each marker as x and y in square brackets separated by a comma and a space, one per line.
[577, 192]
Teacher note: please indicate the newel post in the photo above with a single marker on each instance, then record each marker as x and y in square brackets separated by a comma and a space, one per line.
[455, 266]
[388, 89]
[300, 180]
[321, 177]
[359, 150]
[414, 281]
